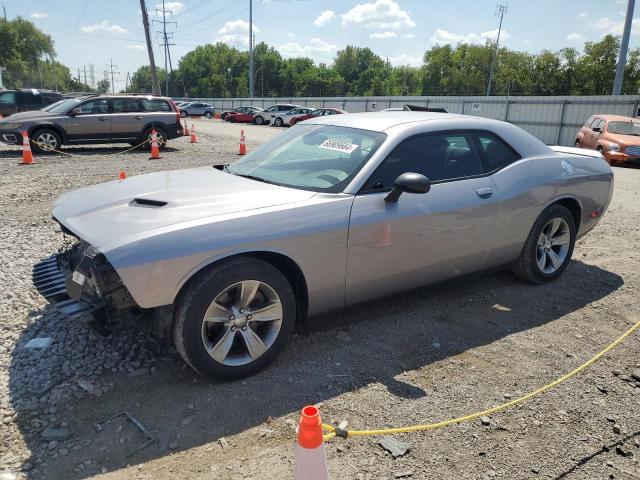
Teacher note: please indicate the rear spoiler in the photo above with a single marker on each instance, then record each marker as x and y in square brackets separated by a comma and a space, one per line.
[583, 152]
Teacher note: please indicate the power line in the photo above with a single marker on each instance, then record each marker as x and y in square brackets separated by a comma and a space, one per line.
[165, 41]
[500, 11]
[110, 71]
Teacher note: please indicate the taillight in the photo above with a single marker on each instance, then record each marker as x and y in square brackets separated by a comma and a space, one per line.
[177, 110]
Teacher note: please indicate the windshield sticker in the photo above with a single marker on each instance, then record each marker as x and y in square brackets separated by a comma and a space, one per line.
[339, 146]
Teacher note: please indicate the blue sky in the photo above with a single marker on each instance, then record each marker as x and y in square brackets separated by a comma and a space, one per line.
[94, 31]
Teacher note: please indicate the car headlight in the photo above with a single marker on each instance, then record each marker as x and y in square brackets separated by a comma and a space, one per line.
[10, 126]
[613, 147]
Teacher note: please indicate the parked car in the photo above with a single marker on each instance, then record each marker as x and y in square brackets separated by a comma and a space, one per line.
[198, 109]
[339, 210]
[265, 117]
[14, 101]
[319, 112]
[240, 117]
[95, 119]
[283, 119]
[248, 109]
[616, 137]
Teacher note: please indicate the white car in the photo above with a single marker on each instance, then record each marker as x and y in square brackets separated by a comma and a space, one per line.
[266, 116]
[283, 119]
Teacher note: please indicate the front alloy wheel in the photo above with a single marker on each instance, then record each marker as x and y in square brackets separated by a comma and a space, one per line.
[46, 141]
[234, 318]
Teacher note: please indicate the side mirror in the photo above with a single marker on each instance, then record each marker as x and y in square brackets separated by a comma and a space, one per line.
[74, 112]
[408, 183]
[597, 129]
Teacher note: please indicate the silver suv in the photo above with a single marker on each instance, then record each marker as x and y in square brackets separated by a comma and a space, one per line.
[196, 109]
[95, 119]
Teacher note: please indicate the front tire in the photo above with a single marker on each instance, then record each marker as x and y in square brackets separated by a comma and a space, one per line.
[45, 140]
[277, 122]
[259, 120]
[549, 246]
[183, 114]
[234, 319]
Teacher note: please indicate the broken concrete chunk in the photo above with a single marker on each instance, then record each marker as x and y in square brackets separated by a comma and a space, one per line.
[51, 434]
[38, 343]
[395, 447]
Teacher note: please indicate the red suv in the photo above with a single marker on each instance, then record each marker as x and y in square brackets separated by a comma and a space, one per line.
[615, 136]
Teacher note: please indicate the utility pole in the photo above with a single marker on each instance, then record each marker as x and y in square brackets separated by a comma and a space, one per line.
[624, 46]
[500, 11]
[111, 66]
[126, 84]
[84, 68]
[165, 42]
[4, 9]
[92, 75]
[251, 49]
[155, 85]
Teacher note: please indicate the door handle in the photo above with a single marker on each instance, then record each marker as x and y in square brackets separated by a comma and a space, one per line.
[139, 117]
[103, 119]
[484, 192]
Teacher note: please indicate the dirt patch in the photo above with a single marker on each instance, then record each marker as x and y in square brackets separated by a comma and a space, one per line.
[422, 356]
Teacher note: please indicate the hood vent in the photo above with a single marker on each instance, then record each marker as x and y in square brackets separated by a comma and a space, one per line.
[147, 203]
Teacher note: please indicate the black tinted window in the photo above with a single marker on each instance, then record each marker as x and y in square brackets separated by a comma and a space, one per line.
[155, 105]
[30, 100]
[124, 105]
[284, 108]
[438, 157]
[8, 98]
[497, 153]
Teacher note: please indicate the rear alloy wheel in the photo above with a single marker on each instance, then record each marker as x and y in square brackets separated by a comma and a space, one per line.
[549, 247]
[258, 120]
[234, 319]
[208, 115]
[45, 141]
[183, 114]
[160, 136]
[231, 120]
[278, 122]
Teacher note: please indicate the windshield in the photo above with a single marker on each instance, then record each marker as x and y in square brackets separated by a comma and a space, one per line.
[624, 128]
[322, 158]
[62, 106]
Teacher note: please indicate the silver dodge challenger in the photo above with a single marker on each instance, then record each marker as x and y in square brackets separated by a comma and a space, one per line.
[337, 210]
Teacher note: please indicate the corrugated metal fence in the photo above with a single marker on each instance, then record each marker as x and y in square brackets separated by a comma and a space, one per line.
[554, 120]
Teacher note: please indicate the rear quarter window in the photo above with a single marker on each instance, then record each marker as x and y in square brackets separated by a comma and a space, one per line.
[155, 106]
[496, 152]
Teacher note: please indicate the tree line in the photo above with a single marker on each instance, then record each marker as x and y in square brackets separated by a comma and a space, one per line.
[218, 70]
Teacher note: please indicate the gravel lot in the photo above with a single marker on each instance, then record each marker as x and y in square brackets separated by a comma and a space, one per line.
[422, 356]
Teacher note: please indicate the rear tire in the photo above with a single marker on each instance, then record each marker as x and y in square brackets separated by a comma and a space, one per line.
[208, 115]
[259, 120]
[577, 144]
[549, 246]
[278, 122]
[161, 136]
[183, 114]
[230, 345]
[45, 141]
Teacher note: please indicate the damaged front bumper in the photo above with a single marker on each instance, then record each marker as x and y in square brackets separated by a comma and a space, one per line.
[82, 285]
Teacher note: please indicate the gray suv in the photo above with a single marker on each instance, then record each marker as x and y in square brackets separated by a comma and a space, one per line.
[197, 109]
[95, 119]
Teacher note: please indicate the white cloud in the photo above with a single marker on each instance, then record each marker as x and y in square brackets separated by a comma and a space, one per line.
[134, 46]
[104, 26]
[575, 37]
[405, 60]
[583, 15]
[379, 14]
[316, 48]
[39, 15]
[443, 36]
[175, 7]
[613, 27]
[236, 33]
[325, 17]
[383, 35]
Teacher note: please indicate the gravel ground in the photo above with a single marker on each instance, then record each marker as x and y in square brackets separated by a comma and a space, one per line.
[422, 356]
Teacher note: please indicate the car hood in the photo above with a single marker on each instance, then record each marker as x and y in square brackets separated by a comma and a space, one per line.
[623, 140]
[110, 214]
[32, 115]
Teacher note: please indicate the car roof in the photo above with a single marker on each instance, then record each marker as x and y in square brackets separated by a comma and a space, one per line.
[620, 118]
[381, 121]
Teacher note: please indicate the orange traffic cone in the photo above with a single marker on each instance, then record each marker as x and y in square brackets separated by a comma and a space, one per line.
[194, 139]
[155, 151]
[122, 175]
[243, 147]
[185, 131]
[311, 462]
[27, 156]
